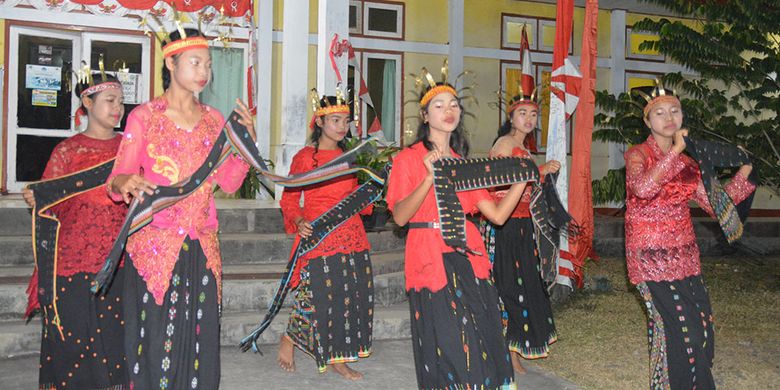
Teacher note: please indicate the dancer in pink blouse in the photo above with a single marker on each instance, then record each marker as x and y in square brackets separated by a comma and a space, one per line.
[173, 280]
[661, 252]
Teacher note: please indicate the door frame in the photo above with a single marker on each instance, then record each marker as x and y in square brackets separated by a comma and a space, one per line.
[81, 36]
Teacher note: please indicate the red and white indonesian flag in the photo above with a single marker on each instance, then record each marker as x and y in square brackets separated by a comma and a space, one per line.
[564, 96]
[527, 82]
[337, 49]
[526, 66]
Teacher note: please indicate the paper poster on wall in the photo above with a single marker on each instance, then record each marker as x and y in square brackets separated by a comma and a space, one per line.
[131, 86]
[43, 77]
[44, 98]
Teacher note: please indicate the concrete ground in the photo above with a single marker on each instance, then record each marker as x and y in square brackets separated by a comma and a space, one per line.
[391, 366]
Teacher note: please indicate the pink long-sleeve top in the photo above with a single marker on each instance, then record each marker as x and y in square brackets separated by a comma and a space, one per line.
[660, 241]
[164, 153]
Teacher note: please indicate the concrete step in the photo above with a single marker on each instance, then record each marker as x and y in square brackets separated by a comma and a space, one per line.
[235, 216]
[390, 322]
[237, 248]
[245, 287]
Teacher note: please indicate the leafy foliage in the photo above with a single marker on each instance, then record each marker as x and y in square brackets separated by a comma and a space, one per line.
[735, 48]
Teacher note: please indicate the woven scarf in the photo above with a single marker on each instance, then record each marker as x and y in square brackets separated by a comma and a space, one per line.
[323, 225]
[46, 226]
[234, 138]
[711, 155]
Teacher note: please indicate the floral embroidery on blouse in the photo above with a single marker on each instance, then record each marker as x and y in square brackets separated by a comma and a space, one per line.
[149, 134]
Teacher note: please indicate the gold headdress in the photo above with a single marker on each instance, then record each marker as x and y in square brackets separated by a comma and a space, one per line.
[320, 109]
[184, 43]
[658, 95]
[425, 82]
[426, 86]
[84, 76]
[521, 99]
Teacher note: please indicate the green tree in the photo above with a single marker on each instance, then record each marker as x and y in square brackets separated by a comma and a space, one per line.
[734, 46]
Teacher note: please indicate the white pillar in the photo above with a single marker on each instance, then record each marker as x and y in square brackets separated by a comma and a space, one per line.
[264, 63]
[333, 18]
[456, 20]
[295, 70]
[617, 84]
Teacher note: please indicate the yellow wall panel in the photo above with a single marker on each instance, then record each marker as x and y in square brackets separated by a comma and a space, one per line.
[636, 81]
[638, 38]
[278, 14]
[413, 62]
[426, 20]
[276, 95]
[483, 126]
[483, 19]
[604, 33]
[314, 9]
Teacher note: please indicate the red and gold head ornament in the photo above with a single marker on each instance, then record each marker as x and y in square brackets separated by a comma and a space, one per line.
[425, 82]
[183, 45]
[84, 76]
[322, 106]
[657, 96]
[521, 100]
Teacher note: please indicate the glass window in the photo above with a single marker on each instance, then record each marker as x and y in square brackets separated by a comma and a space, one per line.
[44, 94]
[381, 81]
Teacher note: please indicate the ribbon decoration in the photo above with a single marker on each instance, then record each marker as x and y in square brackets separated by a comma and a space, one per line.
[549, 216]
[710, 155]
[337, 49]
[46, 226]
[234, 138]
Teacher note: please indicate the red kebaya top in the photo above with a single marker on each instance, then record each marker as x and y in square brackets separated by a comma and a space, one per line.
[319, 198]
[89, 222]
[660, 241]
[424, 266]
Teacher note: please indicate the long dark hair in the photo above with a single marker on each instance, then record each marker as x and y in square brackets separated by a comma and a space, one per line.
[317, 130]
[97, 78]
[175, 36]
[506, 128]
[458, 141]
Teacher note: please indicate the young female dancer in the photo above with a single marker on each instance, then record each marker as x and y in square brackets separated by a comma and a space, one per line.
[661, 252]
[87, 351]
[530, 328]
[332, 315]
[456, 325]
[173, 278]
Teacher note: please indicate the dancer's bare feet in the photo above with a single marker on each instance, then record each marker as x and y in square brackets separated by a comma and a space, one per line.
[519, 369]
[286, 356]
[344, 370]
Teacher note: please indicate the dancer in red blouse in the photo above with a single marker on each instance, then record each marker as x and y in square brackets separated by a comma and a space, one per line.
[530, 327]
[332, 316]
[456, 324]
[174, 269]
[91, 355]
[661, 252]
